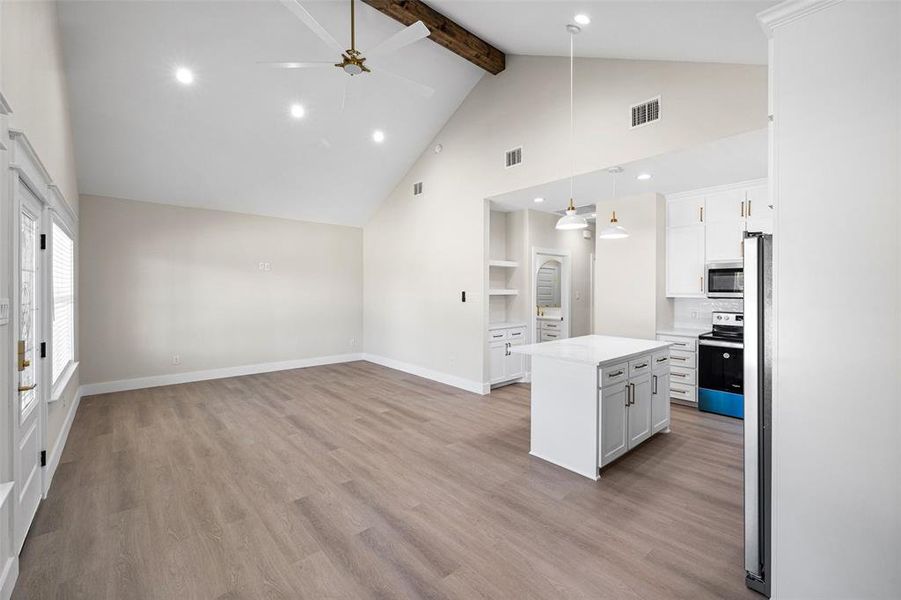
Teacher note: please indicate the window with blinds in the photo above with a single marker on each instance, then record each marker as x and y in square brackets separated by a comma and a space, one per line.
[63, 348]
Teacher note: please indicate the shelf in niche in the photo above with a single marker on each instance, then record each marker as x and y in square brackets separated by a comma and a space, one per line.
[507, 264]
[500, 292]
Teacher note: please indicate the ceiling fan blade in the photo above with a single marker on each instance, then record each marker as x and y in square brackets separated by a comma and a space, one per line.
[404, 37]
[296, 65]
[301, 13]
[420, 88]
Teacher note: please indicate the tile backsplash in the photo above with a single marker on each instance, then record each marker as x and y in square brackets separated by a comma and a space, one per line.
[695, 312]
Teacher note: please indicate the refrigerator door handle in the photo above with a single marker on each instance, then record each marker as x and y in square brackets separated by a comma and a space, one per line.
[752, 412]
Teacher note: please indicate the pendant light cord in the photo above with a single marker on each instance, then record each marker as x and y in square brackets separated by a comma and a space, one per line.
[572, 160]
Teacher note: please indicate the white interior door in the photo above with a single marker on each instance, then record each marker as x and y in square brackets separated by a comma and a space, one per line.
[28, 414]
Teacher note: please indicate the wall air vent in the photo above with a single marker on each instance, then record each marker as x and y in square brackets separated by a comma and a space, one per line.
[514, 157]
[646, 112]
[417, 188]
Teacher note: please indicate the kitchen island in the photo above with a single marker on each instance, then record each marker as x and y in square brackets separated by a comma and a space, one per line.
[596, 397]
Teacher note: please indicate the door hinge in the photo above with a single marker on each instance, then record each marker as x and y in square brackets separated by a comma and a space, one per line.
[43, 241]
[43, 458]
[43, 349]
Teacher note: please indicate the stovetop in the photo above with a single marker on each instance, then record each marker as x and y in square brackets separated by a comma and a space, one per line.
[726, 326]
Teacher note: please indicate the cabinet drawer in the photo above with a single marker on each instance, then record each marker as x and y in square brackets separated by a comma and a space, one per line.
[495, 335]
[680, 343]
[615, 374]
[640, 366]
[552, 325]
[686, 393]
[516, 334]
[547, 336]
[660, 360]
[678, 358]
[683, 375]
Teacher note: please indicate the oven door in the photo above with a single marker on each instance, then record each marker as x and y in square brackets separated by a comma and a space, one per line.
[721, 366]
[725, 280]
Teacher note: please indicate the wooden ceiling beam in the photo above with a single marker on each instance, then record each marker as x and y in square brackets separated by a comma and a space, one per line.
[444, 32]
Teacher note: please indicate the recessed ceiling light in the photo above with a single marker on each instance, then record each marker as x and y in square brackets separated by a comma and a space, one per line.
[643, 177]
[298, 111]
[582, 19]
[184, 76]
[378, 136]
[539, 199]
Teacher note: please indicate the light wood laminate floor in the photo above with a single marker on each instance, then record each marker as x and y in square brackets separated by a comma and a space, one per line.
[357, 481]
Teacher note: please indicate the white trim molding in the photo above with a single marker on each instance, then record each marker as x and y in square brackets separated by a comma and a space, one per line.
[9, 569]
[56, 453]
[124, 385]
[5, 108]
[469, 385]
[788, 11]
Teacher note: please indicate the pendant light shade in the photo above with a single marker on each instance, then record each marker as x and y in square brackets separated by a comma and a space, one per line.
[614, 231]
[571, 220]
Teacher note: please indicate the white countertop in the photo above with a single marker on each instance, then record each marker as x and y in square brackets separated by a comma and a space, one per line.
[505, 325]
[592, 349]
[684, 331]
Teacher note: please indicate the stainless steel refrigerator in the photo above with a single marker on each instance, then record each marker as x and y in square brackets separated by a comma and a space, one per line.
[758, 319]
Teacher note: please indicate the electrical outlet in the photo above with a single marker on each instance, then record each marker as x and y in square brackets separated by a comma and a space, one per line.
[265, 266]
[176, 359]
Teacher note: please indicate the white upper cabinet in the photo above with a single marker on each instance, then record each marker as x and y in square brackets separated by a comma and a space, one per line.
[685, 261]
[758, 211]
[685, 211]
[725, 225]
[705, 226]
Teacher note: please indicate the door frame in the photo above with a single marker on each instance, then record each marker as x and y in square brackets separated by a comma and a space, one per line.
[565, 257]
[20, 183]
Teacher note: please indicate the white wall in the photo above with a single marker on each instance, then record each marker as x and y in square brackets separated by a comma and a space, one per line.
[420, 253]
[161, 280]
[630, 286]
[837, 404]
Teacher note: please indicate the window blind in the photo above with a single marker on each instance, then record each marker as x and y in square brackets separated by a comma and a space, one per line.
[63, 348]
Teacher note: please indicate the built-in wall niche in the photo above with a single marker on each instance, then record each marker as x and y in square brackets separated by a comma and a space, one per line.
[504, 266]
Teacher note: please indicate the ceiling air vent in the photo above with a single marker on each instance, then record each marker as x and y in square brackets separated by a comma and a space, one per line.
[417, 188]
[646, 112]
[514, 157]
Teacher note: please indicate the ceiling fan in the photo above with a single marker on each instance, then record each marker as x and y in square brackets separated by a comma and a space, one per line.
[352, 61]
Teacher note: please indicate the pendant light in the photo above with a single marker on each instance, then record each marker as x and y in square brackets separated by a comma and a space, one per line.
[614, 231]
[571, 220]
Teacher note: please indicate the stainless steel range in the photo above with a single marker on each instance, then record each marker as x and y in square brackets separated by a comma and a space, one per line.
[721, 366]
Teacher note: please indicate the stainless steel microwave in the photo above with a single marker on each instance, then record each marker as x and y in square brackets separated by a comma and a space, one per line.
[725, 279]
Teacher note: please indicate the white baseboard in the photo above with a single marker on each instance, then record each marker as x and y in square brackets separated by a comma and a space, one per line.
[8, 577]
[57, 451]
[138, 383]
[476, 387]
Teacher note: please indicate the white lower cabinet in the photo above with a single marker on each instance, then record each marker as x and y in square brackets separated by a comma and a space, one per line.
[503, 366]
[630, 411]
[660, 390]
[682, 380]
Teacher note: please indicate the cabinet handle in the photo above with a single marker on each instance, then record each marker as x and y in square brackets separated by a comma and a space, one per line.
[661, 359]
[749, 208]
[628, 402]
[617, 374]
[742, 208]
[632, 394]
[702, 283]
[682, 358]
[702, 213]
[641, 366]
[655, 385]
[679, 375]
[507, 349]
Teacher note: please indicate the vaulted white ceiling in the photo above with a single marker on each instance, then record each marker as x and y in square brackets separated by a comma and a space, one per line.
[724, 31]
[228, 141]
